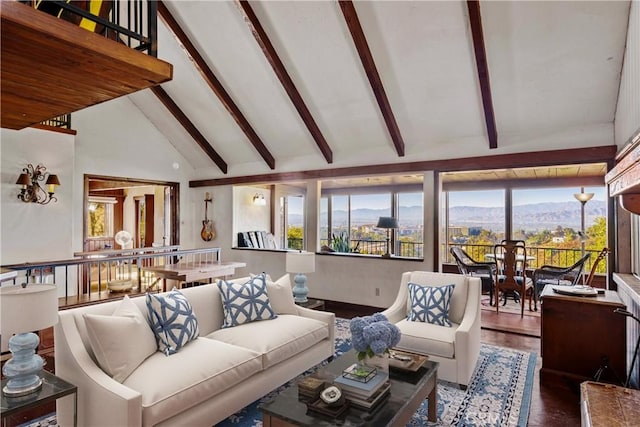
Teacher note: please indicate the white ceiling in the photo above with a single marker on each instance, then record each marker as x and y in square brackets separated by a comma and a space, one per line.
[554, 69]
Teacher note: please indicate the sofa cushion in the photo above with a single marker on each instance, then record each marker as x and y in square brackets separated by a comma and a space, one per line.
[277, 339]
[281, 295]
[122, 341]
[245, 302]
[430, 303]
[196, 373]
[427, 338]
[173, 321]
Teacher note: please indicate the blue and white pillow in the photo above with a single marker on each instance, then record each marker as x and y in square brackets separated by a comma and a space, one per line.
[245, 302]
[172, 320]
[430, 304]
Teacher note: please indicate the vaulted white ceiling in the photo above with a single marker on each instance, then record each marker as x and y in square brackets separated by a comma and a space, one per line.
[554, 70]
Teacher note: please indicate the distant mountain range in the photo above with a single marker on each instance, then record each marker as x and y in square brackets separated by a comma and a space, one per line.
[531, 217]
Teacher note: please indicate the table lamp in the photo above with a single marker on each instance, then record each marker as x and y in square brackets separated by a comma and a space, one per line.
[300, 262]
[388, 223]
[25, 308]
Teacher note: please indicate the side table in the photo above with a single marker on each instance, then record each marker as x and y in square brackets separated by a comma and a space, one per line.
[53, 388]
[313, 304]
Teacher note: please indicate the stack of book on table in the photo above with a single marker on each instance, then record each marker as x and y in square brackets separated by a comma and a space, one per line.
[364, 391]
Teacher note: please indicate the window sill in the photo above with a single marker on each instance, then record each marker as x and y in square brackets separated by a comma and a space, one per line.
[239, 248]
[378, 257]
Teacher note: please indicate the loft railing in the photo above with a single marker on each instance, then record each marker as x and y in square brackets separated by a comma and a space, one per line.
[63, 121]
[131, 22]
[90, 277]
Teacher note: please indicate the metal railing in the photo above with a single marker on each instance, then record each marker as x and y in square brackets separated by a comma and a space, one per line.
[91, 276]
[379, 247]
[63, 121]
[131, 22]
[560, 257]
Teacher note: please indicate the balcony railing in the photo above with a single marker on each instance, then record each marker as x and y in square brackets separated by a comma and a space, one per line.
[379, 247]
[560, 257]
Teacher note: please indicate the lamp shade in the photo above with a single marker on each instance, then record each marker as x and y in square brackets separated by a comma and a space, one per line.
[27, 309]
[583, 197]
[53, 180]
[23, 179]
[301, 262]
[387, 222]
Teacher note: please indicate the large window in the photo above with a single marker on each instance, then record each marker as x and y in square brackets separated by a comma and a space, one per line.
[352, 215]
[557, 229]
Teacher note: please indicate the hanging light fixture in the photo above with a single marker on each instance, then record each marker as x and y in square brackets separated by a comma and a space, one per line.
[31, 191]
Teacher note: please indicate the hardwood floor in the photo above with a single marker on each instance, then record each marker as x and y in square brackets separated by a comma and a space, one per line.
[551, 405]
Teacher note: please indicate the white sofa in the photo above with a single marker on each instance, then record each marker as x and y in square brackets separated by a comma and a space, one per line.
[212, 377]
[455, 348]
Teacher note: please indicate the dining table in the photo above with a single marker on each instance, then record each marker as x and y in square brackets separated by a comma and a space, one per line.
[194, 271]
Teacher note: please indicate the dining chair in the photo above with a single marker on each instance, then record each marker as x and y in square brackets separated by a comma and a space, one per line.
[470, 267]
[511, 274]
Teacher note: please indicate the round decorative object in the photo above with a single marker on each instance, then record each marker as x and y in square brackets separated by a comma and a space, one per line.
[123, 238]
[332, 396]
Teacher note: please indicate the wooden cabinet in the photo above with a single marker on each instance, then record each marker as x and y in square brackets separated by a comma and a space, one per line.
[581, 335]
[624, 178]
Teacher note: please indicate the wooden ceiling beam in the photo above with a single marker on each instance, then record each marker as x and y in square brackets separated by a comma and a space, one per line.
[369, 65]
[189, 127]
[475, 20]
[571, 156]
[215, 85]
[269, 51]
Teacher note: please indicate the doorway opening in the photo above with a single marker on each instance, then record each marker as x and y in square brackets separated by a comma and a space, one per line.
[145, 210]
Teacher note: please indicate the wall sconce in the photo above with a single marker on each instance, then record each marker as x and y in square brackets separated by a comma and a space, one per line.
[259, 200]
[31, 191]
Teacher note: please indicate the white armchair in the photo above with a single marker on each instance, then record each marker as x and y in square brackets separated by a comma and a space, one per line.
[456, 348]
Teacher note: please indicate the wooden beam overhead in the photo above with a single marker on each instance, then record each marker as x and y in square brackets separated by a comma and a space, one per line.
[269, 51]
[369, 65]
[215, 85]
[574, 156]
[475, 20]
[189, 127]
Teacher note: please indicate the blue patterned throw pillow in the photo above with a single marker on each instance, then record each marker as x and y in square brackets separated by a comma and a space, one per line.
[245, 302]
[172, 320]
[430, 304]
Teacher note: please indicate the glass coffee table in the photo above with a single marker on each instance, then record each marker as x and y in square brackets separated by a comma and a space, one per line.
[408, 391]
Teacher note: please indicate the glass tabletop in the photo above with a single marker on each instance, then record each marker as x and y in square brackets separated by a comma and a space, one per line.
[404, 386]
[52, 388]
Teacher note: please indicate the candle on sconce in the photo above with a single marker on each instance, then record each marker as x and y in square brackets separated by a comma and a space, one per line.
[52, 188]
[207, 196]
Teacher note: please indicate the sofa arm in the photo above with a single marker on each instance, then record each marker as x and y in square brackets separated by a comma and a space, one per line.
[398, 309]
[102, 401]
[323, 316]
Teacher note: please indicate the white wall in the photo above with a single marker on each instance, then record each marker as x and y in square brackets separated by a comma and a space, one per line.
[246, 215]
[115, 139]
[30, 231]
[627, 120]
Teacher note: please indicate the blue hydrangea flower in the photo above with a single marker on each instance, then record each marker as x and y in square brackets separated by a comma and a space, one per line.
[373, 334]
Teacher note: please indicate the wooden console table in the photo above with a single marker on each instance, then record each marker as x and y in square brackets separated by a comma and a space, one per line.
[194, 271]
[581, 335]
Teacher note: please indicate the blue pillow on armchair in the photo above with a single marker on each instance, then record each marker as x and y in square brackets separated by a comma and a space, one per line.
[430, 304]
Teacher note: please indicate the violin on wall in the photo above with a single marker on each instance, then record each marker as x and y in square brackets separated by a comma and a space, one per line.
[208, 231]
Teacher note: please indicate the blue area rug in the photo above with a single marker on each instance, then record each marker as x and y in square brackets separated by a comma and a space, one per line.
[499, 393]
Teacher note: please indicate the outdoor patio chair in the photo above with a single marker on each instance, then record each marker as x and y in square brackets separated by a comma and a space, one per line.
[553, 275]
[470, 267]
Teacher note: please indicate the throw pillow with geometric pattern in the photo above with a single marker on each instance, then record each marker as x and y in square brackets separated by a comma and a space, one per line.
[430, 304]
[172, 320]
[245, 302]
